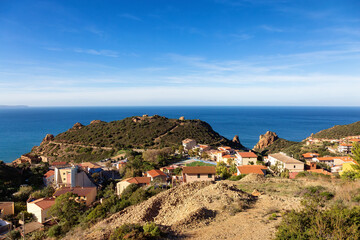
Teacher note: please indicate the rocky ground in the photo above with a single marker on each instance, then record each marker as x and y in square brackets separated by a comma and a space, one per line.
[203, 210]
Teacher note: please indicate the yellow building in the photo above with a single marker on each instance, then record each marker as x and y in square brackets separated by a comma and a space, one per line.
[40, 208]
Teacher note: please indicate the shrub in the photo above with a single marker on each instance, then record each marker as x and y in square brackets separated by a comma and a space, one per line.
[151, 229]
[54, 231]
[236, 178]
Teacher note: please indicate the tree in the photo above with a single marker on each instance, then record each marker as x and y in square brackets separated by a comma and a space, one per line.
[222, 170]
[356, 152]
[67, 209]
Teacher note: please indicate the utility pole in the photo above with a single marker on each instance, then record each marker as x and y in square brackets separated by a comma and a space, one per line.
[23, 225]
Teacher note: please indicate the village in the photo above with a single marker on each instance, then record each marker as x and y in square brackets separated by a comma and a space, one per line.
[200, 163]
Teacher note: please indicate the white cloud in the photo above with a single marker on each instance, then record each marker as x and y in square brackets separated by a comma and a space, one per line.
[107, 53]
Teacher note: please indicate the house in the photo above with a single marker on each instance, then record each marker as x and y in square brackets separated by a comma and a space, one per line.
[86, 195]
[49, 177]
[345, 148]
[5, 227]
[311, 167]
[140, 181]
[90, 167]
[156, 175]
[285, 162]
[327, 160]
[71, 177]
[188, 144]
[347, 167]
[198, 173]
[203, 147]
[6, 208]
[59, 165]
[169, 170]
[245, 158]
[213, 154]
[247, 169]
[40, 208]
[310, 156]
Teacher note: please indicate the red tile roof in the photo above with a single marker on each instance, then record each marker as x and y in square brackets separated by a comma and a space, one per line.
[138, 180]
[81, 191]
[199, 170]
[322, 171]
[44, 203]
[247, 154]
[326, 158]
[49, 173]
[246, 169]
[155, 173]
[228, 156]
[58, 163]
[310, 155]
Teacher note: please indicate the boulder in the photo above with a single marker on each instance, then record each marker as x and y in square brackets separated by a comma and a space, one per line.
[236, 139]
[77, 126]
[266, 140]
[48, 138]
[96, 121]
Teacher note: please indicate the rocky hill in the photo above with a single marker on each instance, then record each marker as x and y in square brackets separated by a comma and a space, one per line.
[339, 131]
[101, 139]
[271, 143]
[185, 207]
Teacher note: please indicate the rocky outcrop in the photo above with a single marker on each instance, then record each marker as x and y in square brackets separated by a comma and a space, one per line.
[266, 140]
[77, 126]
[48, 138]
[96, 121]
[236, 139]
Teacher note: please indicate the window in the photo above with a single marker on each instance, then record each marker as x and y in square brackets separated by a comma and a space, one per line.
[63, 173]
[198, 175]
[294, 166]
[209, 175]
[64, 179]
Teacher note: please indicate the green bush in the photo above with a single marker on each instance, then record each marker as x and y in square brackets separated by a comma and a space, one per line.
[236, 178]
[151, 229]
[54, 231]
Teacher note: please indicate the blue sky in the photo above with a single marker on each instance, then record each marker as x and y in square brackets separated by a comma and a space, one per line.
[216, 52]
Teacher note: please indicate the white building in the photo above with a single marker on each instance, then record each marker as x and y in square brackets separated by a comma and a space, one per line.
[285, 162]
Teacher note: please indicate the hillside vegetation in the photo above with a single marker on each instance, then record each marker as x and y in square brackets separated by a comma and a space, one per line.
[339, 131]
[100, 139]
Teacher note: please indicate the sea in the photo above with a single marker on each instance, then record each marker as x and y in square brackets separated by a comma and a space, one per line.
[21, 128]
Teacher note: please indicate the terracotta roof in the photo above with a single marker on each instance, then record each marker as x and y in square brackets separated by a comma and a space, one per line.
[138, 180]
[257, 169]
[199, 170]
[155, 173]
[310, 155]
[44, 203]
[346, 144]
[247, 154]
[228, 156]
[285, 159]
[49, 173]
[322, 171]
[354, 140]
[59, 163]
[81, 191]
[325, 158]
[90, 165]
[5, 204]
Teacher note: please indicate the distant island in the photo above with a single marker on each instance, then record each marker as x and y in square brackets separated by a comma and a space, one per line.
[14, 106]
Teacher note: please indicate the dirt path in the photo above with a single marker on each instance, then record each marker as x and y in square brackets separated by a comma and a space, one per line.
[80, 145]
[163, 135]
[252, 224]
